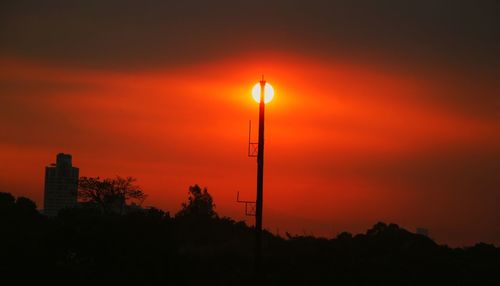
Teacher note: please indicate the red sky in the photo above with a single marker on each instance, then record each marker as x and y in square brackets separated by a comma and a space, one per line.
[357, 132]
[347, 145]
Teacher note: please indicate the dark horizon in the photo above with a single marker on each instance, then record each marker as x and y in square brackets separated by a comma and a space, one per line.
[195, 246]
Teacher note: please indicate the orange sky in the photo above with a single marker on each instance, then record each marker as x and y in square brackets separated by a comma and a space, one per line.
[348, 143]
[383, 110]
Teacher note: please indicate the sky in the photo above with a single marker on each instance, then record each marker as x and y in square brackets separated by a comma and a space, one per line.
[383, 110]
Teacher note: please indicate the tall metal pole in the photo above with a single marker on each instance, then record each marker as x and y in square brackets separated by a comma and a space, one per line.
[260, 180]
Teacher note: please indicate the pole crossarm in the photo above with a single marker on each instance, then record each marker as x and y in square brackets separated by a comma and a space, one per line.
[249, 205]
[253, 147]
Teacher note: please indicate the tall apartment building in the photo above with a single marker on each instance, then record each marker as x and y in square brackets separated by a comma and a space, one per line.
[61, 185]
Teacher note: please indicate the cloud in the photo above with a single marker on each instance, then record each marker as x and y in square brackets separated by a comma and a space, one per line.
[152, 33]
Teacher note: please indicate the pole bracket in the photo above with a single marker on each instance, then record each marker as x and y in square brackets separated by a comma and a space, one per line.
[253, 147]
[249, 205]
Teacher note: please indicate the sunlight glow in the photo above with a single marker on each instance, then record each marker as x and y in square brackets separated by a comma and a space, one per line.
[268, 92]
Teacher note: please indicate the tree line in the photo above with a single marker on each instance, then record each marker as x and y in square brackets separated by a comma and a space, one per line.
[107, 240]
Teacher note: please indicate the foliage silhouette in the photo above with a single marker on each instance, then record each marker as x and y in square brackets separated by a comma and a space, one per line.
[200, 204]
[110, 195]
[149, 246]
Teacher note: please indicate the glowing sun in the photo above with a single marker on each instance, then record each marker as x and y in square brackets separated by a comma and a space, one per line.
[268, 92]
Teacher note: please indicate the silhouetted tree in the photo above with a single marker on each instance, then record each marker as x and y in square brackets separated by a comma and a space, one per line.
[110, 195]
[16, 208]
[6, 199]
[26, 205]
[157, 213]
[200, 204]
[344, 235]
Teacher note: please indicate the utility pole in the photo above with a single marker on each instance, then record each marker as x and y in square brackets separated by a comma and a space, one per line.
[256, 149]
[260, 181]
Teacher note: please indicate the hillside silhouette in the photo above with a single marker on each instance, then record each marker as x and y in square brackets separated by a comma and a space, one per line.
[197, 247]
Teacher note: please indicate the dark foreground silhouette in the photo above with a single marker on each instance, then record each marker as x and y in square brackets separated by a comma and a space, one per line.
[196, 247]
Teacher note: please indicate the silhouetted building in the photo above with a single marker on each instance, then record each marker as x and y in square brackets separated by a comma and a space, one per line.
[61, 185]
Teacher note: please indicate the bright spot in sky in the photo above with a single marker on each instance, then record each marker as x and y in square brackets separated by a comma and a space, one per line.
[268, 92]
